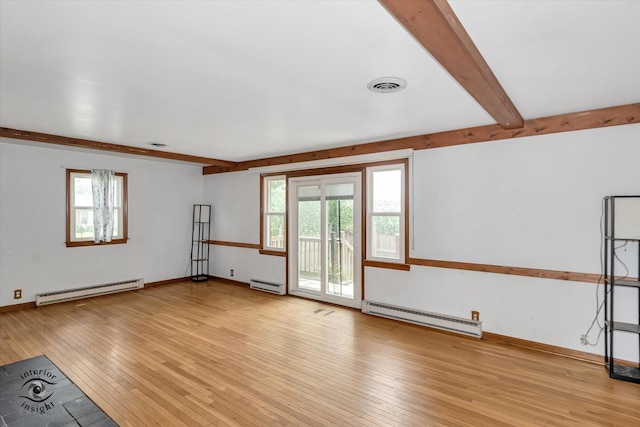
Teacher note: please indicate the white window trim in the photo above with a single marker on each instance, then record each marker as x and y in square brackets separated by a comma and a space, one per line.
[401, 214]
[268, 214]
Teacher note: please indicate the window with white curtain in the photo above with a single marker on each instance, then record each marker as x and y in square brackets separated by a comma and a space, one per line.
[80, 209]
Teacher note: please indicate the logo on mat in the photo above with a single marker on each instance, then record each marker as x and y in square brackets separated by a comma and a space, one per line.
[36, 390]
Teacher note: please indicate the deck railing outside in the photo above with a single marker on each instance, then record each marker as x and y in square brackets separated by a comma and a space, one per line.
[340, 254]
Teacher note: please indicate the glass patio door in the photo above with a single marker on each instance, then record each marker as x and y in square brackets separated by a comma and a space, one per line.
[325, 246]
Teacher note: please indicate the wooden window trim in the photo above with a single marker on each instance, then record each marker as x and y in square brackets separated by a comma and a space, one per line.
[390, 265]
[272, 252]
[125, 212]
[233, 244]
[362, 168]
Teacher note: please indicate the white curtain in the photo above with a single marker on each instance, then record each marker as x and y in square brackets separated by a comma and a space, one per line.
[103, 185]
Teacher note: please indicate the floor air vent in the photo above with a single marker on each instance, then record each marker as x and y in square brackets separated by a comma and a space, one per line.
[274, 288]
[439, 321]
[90, 291]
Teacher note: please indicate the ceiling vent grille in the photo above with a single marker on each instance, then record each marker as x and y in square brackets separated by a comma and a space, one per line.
[387, 85]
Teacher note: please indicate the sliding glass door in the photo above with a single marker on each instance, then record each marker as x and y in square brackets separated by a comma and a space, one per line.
[325, 238]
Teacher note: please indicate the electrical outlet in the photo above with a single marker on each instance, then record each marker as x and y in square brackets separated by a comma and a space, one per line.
[17, 293]
[475, 315]
[231, 272]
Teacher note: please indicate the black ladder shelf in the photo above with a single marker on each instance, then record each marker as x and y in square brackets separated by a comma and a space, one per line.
[200, 236]
[622, 224]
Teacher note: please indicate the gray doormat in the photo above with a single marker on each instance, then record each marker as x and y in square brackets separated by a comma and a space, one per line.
[34, 392]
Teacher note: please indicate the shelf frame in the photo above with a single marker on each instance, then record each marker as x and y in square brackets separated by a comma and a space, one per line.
[200, 236]
[620, 371]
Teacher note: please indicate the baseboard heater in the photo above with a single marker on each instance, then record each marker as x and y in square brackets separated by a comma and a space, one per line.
[89, 291]
[439, 321]
[271, 287]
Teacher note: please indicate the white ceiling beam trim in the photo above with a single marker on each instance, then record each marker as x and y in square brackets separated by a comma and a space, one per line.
[339, 161]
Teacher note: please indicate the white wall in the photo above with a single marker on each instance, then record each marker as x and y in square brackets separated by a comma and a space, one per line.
[246, 264]
[33, 255]
[235, 198]
[530, 202]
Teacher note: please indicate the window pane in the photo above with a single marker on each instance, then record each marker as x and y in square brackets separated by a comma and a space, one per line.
[342, 191]
[309, 211]
[276, 195]
[309, 193]
[387, 191]
[80, 208]
[116, 223]
[385, 237]
[117, 199]
[275, 231]
[84, 223]
[82, 191]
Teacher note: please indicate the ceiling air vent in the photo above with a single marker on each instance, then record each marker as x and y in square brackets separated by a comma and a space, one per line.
[387, 85]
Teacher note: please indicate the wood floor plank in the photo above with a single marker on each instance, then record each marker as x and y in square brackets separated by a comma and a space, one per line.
[221, 354]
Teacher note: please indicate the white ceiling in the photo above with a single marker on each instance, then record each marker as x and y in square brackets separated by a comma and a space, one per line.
[239, 80]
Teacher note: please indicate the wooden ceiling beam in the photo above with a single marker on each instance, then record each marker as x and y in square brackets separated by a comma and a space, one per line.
[592, 119]
[436, 27]
[106, 146]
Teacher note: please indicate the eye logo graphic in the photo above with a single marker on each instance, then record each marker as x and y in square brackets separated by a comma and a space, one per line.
[37, 390]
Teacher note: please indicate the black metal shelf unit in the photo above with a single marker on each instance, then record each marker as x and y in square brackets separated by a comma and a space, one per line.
[622, 223]
[200, 236]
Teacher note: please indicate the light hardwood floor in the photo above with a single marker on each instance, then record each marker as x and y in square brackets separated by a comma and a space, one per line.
[221, 354]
